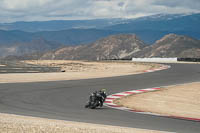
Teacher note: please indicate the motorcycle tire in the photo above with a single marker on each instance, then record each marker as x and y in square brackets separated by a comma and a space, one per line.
[92, 107]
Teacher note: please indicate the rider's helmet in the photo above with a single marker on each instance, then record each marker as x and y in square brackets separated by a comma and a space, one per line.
[103, 90]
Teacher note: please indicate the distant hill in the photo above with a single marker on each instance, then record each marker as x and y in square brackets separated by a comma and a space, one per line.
[125, 46]
[73, 36]
[12, 37]
[66, 37]
[39, 45]
[172, 45]
[161, 22]
[152, 28]
[56, 25]
[149, 28]
[112, 47]
[16, 40]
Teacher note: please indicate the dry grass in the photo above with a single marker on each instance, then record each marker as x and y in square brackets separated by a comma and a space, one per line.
[23, 124]
[181, 100]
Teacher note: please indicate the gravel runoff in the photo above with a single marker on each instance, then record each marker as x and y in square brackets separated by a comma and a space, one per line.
[76, 70]
[23, 124]
[178, 100]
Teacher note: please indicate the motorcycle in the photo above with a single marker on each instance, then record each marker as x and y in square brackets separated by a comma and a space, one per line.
[93, 102]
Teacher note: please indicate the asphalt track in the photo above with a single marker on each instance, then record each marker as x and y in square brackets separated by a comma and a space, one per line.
[65, 100]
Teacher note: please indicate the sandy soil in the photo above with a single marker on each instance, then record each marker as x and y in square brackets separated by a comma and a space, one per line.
[75, 70]
[23, 124]
[181, 100]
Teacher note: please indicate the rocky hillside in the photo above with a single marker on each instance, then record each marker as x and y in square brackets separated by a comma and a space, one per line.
[112, 47]
[172, 45]
[124, 46]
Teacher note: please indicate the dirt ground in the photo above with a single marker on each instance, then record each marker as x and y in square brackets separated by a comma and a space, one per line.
[75, 70]
[180, 100]
[22, 124]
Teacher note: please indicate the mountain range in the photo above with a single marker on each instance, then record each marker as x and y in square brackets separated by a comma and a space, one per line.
[21, 38]
[112, 47]
[56, 25]
[35, 46]
[123, 46]
[75, 32]
[172, 45]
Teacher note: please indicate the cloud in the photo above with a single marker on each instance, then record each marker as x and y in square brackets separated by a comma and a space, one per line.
[38, 10]
[189, 4]
[22, 4]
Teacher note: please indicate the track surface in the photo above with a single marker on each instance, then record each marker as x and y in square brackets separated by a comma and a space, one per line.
[66, 99]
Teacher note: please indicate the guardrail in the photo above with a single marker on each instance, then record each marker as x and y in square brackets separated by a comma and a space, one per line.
[155, 59]
[166, 59]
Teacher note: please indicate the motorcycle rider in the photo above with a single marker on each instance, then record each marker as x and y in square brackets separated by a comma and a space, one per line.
[102, 96]
[103, 93]
[94, 94]
[93, 97]
[99, 96]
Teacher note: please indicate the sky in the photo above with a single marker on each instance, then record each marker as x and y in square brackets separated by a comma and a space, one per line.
[43, 10]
